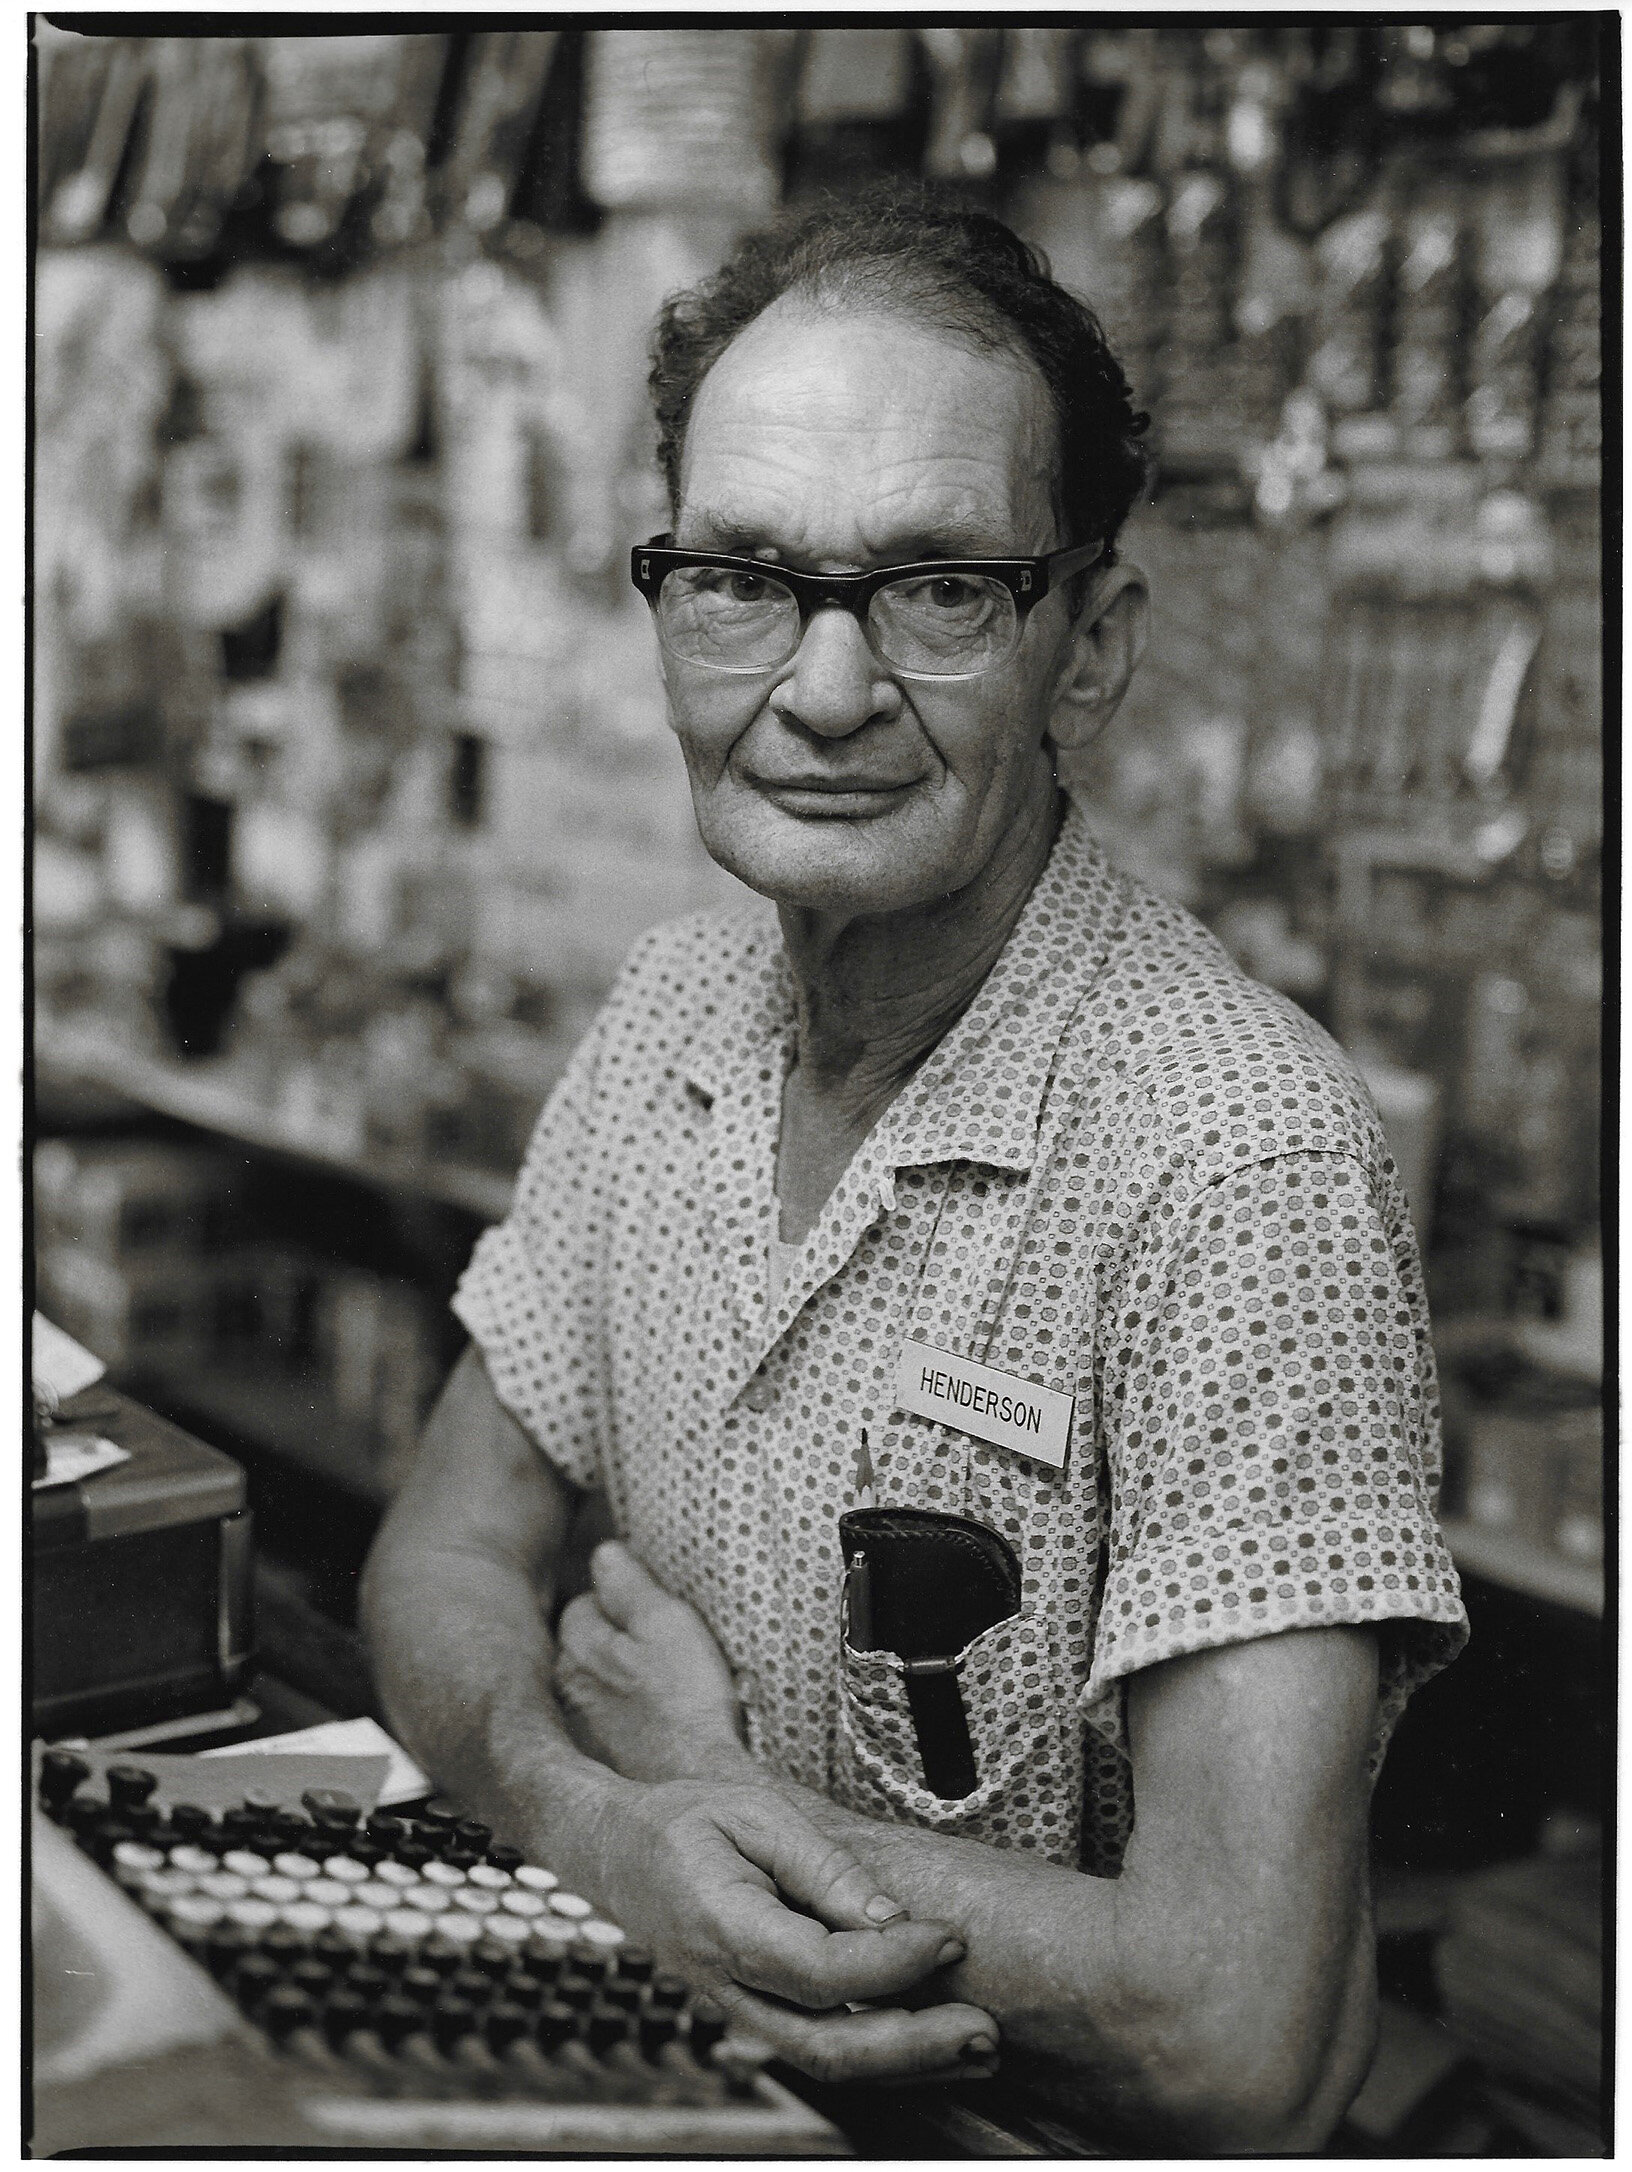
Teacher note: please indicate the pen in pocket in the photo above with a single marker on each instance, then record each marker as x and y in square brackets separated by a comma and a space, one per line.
[858, 1604]
[864, 1474]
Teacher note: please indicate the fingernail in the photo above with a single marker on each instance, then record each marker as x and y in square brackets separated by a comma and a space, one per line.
[979, 2047]
[880, 1910]
[953, 1950]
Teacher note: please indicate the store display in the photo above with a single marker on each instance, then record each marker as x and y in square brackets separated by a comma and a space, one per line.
[345, 714]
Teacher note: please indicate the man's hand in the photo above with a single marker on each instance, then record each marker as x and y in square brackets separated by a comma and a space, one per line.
[732, 1885]
[698, 1855]
[640, 1680]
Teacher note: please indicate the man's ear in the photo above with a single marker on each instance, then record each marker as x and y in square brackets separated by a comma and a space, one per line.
[1106, 645]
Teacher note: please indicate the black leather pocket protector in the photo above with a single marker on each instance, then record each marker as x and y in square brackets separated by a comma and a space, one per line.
[923, 1586]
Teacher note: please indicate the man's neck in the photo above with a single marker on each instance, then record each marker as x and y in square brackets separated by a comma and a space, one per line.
[874, 996]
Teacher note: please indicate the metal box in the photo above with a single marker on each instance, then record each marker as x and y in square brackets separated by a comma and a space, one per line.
[142, 1607]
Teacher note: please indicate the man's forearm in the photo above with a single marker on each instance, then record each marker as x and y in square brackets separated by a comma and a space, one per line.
[463, 1662]
[1105, 2006]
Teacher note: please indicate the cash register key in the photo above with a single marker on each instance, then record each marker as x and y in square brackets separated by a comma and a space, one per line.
[439, 1811]
[158, 1887]
[253, 1915]
[474, 1834]
[519, 1902]
[658, 2027]
[284, 1944]
[224, 1885]
[325, 1892]
[669, 1990]
[420, 1984]
[387, 1828]
[344, 2011]
[82, 1817]
[544, 1958]
[463, 1929]
[534, 1880]
[313, 1976]
[348, 1870]
[299, 1867]
[571, 1905]
[600, 1933]
[505, 2023]
[129, 1786]
[394, 1873]
[408, 1923]
[195, 1911]
[491, 1958]
[440, 1873]
[358, 1922]
[514, 1930]
[708, 2026]
[501, 1856]
[285, 2009]
[308, 1917]
[376, 1894]
[195, 1861]
[412, 1855]
[136, 1855]
[635, 1963]
[246, 1863]
[252, 1978]
[279, 1891]
[227, 1944]
[490, 1877]
[332, 1806]
[430, 1900]
[61, 1771]
[391, 1954]
[475, 1902]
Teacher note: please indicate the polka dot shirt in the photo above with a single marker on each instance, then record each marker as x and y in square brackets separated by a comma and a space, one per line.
[1129, 1174]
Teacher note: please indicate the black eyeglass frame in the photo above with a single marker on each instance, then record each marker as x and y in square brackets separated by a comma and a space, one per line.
[1028, 581]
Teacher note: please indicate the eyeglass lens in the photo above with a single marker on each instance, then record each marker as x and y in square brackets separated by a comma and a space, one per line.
[940, 625]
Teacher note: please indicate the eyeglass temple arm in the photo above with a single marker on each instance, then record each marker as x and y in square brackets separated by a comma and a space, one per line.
[1062, 564]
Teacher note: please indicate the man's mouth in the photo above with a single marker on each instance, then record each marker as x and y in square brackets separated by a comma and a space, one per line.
[833, 799]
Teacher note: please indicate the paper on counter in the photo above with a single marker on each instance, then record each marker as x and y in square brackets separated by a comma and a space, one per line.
[403, 1782]
[62, 1364]
[70, 1457]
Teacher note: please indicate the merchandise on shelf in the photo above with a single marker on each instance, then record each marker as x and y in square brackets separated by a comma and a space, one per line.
[345, 707]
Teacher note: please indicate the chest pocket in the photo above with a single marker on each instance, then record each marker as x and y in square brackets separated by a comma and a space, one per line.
[1019, 1696]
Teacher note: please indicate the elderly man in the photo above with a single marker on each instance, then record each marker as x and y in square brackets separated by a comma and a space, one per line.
[980, 1186]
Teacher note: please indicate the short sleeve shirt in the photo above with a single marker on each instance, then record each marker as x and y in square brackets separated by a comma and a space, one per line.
[1129, 1174]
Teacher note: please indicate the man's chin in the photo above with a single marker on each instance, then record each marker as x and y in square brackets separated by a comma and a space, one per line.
[829, 864]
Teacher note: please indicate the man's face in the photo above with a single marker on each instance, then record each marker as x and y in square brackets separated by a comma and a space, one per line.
[837, 443]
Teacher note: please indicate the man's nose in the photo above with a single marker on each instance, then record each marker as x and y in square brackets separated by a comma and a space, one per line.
[835, 684]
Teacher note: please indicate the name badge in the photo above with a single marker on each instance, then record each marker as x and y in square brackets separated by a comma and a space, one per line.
[999, 1407]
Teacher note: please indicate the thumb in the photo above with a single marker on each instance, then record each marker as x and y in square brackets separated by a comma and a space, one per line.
[626, 1591]
[810, 1869]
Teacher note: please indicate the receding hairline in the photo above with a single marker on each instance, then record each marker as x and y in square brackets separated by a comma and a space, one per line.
[838, 291]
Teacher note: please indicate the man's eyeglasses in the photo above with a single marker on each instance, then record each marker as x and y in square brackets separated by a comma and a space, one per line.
[941, 618]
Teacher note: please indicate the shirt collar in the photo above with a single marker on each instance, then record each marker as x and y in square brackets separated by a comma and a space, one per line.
[979, 1095]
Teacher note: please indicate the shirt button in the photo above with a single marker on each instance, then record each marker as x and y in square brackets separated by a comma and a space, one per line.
[759, 1394]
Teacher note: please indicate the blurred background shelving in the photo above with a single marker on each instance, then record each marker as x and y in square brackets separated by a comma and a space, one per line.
[351, 781]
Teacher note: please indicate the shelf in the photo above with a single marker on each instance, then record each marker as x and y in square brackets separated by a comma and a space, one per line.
[1518, 1564]
[208, 1097]
[278, 1413]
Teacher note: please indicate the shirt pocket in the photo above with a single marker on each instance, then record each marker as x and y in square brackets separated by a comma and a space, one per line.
[1014, 1703]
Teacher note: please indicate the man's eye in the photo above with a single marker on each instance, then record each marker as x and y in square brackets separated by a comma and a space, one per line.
[950, 592]
[746, 587]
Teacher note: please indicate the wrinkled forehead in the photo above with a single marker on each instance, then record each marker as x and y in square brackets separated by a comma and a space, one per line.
[820, 397]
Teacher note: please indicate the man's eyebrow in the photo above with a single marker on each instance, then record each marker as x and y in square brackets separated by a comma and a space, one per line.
[742, 539]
